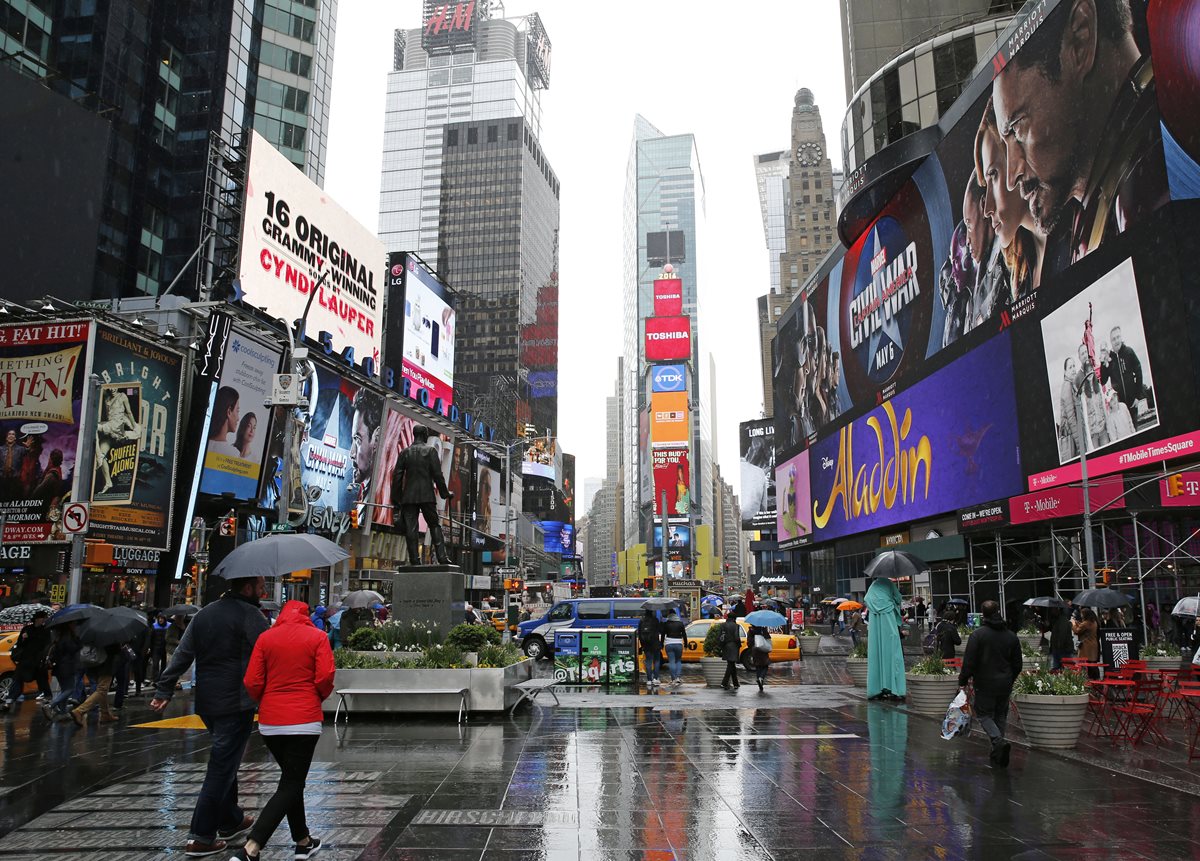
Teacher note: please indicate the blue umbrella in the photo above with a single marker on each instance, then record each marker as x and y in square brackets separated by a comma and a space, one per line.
[766, 618]
[73, 613]
[712, 599]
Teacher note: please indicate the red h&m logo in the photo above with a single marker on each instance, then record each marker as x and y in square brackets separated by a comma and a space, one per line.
[443, 20]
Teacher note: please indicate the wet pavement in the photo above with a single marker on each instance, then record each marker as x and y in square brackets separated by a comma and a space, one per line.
[801, 771]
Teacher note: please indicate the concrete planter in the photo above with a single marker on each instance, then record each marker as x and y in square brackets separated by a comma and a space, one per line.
[810, 645]
[1162, 663]
[857, 668]
[1051, 721]
[392, 656]
[714, 671]
[1033, 641]
[930, 695]
[491, 690]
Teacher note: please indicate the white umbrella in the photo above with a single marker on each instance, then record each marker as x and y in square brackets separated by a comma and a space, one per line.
[362, 598]
[21, 614]
[1187, 606]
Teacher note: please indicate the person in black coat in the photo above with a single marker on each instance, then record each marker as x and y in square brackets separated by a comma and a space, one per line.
[762, 659]
[418, 473]
[947, 637]
[64, 662]
[157, 636]
[993, 660]
[731, 648]
[650, 638]
[29, 654]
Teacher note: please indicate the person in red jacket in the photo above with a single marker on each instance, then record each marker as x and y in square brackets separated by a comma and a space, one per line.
[289, 675]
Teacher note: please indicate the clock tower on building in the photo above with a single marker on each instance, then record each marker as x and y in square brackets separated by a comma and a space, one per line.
[812, 217]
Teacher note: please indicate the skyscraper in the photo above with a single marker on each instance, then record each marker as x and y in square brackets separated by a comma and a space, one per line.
[180, 83]
[875, 31]
[663, 222]
[467, 186]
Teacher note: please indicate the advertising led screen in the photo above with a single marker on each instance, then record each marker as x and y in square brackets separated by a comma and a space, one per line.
[946, 443]
[669, 419]
[668, 339]
[137, 430]
[668, 378]
[672, 478]
[757, 496]
[42, 367]
[988, 227]
[429, 325]
[541, 459]
[668, 297]
[559, 537]
[679, 539]
[240, 424]
[338, 447]
[395, 436]
[489, 506]
[292, 233]
[794, 512]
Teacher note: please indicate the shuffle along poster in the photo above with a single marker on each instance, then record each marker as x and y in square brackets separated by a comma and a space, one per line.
[42, 369]
[137, 430]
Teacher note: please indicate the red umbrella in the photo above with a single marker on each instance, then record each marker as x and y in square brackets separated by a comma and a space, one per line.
[749, 600]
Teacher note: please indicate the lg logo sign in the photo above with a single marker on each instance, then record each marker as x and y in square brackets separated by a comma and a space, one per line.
[668, 378]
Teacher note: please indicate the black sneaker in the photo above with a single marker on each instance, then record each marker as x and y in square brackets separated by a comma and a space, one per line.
[243, 855]
[233, 834]
[1003, 753]
[302, 852]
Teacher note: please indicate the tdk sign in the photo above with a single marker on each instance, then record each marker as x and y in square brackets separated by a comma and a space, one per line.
[668, 378]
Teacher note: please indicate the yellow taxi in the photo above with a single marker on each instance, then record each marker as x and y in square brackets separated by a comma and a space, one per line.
[784, 647]
[8, 669]
[496, 618]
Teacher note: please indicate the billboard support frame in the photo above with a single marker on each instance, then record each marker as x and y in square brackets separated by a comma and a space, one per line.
[85, 464]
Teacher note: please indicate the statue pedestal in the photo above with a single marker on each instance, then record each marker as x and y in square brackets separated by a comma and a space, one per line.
[429, 595]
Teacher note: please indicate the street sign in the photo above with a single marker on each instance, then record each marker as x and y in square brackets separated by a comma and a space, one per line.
[507, 572]
[75, 518]
[285, 390]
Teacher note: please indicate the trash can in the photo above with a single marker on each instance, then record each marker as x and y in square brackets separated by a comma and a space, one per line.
[566, 656]
[622, 656]
[593, 661]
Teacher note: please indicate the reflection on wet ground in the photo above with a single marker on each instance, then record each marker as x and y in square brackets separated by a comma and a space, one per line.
[694, 776]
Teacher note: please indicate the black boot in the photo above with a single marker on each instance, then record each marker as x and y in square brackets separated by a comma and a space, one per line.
[414, 551]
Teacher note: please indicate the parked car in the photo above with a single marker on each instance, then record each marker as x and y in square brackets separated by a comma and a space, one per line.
[496, 618]
[784, 647]
[536, 636]
[8, 669]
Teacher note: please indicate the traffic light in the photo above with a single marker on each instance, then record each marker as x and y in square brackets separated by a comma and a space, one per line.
[513, 584]
[648, 583]
[229, 525]
[354, 517]
[1175, 485]
[1106, 575]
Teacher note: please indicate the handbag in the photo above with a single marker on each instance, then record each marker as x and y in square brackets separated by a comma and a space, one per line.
[91, 656]
[761, 643]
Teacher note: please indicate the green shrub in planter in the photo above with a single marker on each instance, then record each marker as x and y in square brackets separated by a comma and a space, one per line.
[1068, 683]
[1161, 650]
[444, 657]
[491, 656]
[365, 640]
[472, 638]
[933, 665]
[399, 637]
[712, 642]
[859, 651]
[1029, 652]
[809, 631]
[348, 659]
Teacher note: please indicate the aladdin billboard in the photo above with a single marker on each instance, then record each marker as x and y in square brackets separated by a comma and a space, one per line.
[944, 444]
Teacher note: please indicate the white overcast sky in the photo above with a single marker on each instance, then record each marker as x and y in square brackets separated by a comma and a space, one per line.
[726, 72]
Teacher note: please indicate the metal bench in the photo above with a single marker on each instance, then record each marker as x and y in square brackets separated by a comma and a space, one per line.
[462, 694]
[530, 690]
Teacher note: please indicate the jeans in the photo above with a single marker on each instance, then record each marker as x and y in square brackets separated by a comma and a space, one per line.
[653, 661]
[675, 660]
[1056, 659]
[66, 689]
[158, 663]
[854, 636]
[731, 675]
[217, 808]
[992, 710]
[294, 754]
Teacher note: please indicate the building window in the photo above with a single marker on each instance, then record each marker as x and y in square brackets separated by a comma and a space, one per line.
[493, 134]
[472, 136]
[452, 137]
[514, 131]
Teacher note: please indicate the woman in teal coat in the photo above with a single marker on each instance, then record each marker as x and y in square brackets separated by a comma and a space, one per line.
[885, 656]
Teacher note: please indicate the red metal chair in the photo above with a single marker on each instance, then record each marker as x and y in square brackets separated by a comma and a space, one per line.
[1137, 716]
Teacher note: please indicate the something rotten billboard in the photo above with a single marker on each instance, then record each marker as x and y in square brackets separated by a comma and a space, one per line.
[137, 430]
[757, 496]
[947, 442]
[42, 374]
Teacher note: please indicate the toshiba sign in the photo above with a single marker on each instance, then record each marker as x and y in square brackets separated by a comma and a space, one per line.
[668, 297]
[668, 339]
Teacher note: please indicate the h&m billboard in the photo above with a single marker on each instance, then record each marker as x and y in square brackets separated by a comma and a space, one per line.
[292, 234]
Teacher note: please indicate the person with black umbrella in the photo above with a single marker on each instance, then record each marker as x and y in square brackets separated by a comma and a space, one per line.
[103, 674]
[64, 662]
[731, 647]
[1062, 645]
[220, 640]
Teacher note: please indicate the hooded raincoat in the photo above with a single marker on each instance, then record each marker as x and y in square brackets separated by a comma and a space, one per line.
[885, 657]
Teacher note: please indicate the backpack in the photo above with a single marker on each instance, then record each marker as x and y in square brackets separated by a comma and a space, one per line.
[91, 656]
[930, 642]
